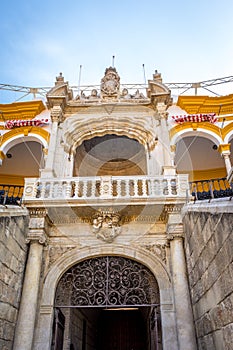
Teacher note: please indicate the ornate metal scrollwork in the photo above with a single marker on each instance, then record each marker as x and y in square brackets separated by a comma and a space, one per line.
[107, 281]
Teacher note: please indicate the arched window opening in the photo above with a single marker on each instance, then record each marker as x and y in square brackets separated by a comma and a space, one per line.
[110, 155]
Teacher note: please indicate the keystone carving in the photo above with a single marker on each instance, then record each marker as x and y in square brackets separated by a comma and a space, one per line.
[106, 225]
[110, 83]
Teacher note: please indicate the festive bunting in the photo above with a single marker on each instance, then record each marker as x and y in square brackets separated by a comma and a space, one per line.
[196, 118]
[10, 124]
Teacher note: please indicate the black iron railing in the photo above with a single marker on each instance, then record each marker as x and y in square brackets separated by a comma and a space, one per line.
[213, 188]
[11, 194]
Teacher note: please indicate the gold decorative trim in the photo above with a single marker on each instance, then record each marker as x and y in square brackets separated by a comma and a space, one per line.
[2, 155]
[206, 104]
[198, 175]
[25, 131]
[21, 110]
[203, 126]
[224, 148]
[226, 130]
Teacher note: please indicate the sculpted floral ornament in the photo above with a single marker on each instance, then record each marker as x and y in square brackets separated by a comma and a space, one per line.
[106, 225]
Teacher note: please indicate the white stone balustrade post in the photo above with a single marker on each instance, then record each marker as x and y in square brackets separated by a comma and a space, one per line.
[118, 188]
[183, 309]
[26, 321]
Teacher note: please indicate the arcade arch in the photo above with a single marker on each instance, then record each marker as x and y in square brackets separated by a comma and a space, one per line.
[199, 157]
[24, 157]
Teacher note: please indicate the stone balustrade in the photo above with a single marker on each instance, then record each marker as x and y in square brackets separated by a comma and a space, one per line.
[106, 187]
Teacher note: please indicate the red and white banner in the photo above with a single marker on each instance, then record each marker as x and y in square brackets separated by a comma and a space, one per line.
[10, 124]
[195, 118]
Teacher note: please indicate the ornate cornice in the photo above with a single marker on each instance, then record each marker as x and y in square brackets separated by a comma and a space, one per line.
[206, 104]
[21, 110]
[38, 212]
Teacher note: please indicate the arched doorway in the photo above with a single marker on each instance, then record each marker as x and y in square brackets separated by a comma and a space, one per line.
[107, 302]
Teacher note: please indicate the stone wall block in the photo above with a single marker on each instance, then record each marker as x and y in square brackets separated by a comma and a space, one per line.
[225, 282]
[228, 245]
[199, 328]
[5, 255]
[228, 337]
[8, 331]
[13, 250]
[227, 307]
[216, 315]
[206, 343]
[5, 345]
[207, 324]
[212, 274]
[206, 232]
[210, 251]
[214, 221]
[197, 291]
[196, 274]
[224, 256]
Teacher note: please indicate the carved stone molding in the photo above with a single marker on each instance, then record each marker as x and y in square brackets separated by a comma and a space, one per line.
[157, 249]
[56, 113]
[38, 212]
[175, 231]
[106, 225]
[56, 251]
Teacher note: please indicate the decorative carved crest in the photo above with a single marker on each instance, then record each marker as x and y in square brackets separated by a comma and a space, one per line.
[110, 83]
[106, 225]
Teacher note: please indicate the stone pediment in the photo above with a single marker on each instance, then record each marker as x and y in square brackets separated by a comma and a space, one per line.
[157, 91]
[60, 93]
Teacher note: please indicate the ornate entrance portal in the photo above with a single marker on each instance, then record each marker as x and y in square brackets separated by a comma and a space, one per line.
[109, 302]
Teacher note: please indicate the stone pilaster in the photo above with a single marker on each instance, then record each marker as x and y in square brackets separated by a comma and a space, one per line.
[168, 164]
[36, 239]
[56, 116]
[184, 315]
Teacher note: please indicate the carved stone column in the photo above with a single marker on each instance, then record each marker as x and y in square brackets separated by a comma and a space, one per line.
[225, 151]
[184, 315]
[37, 238]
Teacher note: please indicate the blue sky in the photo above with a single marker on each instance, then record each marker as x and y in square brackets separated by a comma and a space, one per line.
[187, 41]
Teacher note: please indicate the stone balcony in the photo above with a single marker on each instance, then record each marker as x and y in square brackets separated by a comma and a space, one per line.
[105, 190]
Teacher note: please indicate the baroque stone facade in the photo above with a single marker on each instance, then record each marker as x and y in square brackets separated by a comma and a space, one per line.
[106, 222]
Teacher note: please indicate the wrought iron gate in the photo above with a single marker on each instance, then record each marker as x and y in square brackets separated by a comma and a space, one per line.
[107, 281]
